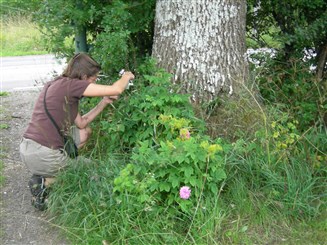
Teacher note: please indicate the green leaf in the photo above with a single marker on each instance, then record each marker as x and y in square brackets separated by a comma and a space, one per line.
[219, 175]
[188, 170]
[180, 158]
[143, 198]
[183, 205]
[174, 181]
[164, 186]
[193, 181]
[214, 188]
[121, 127]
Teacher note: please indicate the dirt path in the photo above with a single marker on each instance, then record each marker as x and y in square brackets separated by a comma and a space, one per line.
[20, 222]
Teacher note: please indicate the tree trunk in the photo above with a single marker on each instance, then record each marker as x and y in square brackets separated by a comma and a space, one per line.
[80, 33]
[322, 58]
[202, 43]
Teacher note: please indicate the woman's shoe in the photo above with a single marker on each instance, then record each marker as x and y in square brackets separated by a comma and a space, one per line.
[39, 192]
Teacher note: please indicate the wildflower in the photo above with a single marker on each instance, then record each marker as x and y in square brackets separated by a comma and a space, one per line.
[185, 192]
[212, 149]
[184, 134]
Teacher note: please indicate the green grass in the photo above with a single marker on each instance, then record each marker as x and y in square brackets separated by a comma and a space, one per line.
[20, 36]
[4, 94]
[4, 126]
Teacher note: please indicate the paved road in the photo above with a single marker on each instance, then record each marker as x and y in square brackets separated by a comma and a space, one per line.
[27, 72]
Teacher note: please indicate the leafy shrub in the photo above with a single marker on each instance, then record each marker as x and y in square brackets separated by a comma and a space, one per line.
[136, 116]
[157, 173]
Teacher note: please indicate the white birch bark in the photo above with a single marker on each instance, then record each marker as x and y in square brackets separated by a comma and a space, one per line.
[202, 43]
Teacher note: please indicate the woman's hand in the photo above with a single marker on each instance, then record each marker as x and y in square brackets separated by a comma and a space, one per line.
[83, 121]
[129, 75]
[109, 99]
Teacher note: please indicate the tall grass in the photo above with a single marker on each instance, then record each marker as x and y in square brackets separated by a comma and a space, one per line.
[20, 36]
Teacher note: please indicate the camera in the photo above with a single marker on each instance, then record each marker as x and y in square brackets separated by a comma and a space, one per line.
[130, 82]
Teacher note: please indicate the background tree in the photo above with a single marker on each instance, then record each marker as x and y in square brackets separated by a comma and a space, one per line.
[118, 32]
[298, 26]
[203, 44]
[296, 30]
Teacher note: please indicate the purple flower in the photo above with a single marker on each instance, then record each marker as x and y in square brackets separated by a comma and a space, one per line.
[185, 192]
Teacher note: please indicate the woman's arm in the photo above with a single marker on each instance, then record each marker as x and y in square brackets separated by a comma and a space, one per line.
[95, 90]
[83, 121]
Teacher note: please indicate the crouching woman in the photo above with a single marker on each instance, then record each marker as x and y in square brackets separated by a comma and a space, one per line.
[56, 117]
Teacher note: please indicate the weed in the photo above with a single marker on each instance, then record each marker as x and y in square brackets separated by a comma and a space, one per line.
[4, 93]
[4, 126]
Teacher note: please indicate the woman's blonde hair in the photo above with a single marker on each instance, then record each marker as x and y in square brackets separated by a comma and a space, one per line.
[81, 65]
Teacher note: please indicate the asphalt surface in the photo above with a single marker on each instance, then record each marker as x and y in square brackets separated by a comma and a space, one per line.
[21, 73]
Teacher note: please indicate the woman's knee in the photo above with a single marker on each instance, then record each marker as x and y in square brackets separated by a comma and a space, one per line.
[85, 134]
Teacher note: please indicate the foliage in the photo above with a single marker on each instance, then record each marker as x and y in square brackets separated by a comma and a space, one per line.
[126, 35]
[301, 24]
[4, 126]
[157, 174]
[119, 32]
[150, 144]
[288, 181]
[137, 115]
[284, 135]
[83, 205]
[87, 205]
[3, 93]
[296, 90]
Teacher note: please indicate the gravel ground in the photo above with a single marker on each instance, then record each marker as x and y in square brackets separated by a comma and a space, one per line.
[20, 222]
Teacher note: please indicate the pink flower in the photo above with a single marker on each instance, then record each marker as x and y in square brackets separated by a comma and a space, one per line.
[184, 134]
[185, 192]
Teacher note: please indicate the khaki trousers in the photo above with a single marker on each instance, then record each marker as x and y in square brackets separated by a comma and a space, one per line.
[41, 160]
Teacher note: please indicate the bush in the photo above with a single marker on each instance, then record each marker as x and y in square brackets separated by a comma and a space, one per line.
[156, 175]
[135, 117]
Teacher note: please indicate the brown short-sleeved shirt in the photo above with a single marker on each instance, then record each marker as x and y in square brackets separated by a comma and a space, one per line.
[62, 101]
